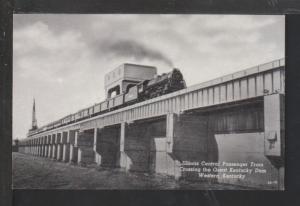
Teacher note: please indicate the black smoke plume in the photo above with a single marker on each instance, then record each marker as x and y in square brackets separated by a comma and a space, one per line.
[136, 50]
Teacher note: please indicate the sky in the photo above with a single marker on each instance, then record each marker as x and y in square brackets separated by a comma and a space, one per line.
[61, 59]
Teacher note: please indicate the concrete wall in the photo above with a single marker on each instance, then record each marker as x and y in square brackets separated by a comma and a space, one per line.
[191, 141]
[236, 135]
[73, 154]
[237, 119]
[65, 142]
[145, 148]
[108, 146]
[247, 148]
[161, 161]
[66, 153]
[59, 151]
[85, 143]
[194, 133]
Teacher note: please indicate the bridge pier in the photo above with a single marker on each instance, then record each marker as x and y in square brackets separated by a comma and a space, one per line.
[59, 151]
[65, 154]
[187, 139]
[124, 159]
[108, 146]
[136, 146]
[37, 146]
[85, 143]
[274, 136]
[142, 145]
[59, 146]
[53, 155]
[45, 146]
[49, 150]
[41, 145]
[73, 146]
[54, 148]
[49, 146]
[96, 146]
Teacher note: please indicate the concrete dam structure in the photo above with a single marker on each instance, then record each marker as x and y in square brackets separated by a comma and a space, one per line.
[231, 126]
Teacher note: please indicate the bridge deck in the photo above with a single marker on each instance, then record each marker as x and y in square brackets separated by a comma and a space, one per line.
[250, 83]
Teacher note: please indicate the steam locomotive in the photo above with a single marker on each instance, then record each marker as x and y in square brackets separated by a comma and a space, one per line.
[147, 89]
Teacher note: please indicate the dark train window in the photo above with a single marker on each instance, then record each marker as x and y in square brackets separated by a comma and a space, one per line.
[129, 86]
[114, 91]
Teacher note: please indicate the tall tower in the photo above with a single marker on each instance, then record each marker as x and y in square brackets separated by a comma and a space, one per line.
[34, 122]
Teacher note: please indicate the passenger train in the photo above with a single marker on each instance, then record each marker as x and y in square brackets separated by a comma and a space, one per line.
[144, 90]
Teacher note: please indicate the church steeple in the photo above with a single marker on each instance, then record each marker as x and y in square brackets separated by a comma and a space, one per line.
[34, 122]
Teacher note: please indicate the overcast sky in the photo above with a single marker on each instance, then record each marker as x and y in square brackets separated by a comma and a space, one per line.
[61, 59]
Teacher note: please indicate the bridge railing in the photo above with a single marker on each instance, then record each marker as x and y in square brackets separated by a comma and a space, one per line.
[240, 74]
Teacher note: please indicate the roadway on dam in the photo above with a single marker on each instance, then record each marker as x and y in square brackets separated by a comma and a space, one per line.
[41, 173]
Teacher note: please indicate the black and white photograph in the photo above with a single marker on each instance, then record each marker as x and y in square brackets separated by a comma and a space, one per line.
[148, 102]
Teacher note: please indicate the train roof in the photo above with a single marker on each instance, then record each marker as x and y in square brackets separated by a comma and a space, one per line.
[130, 72]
